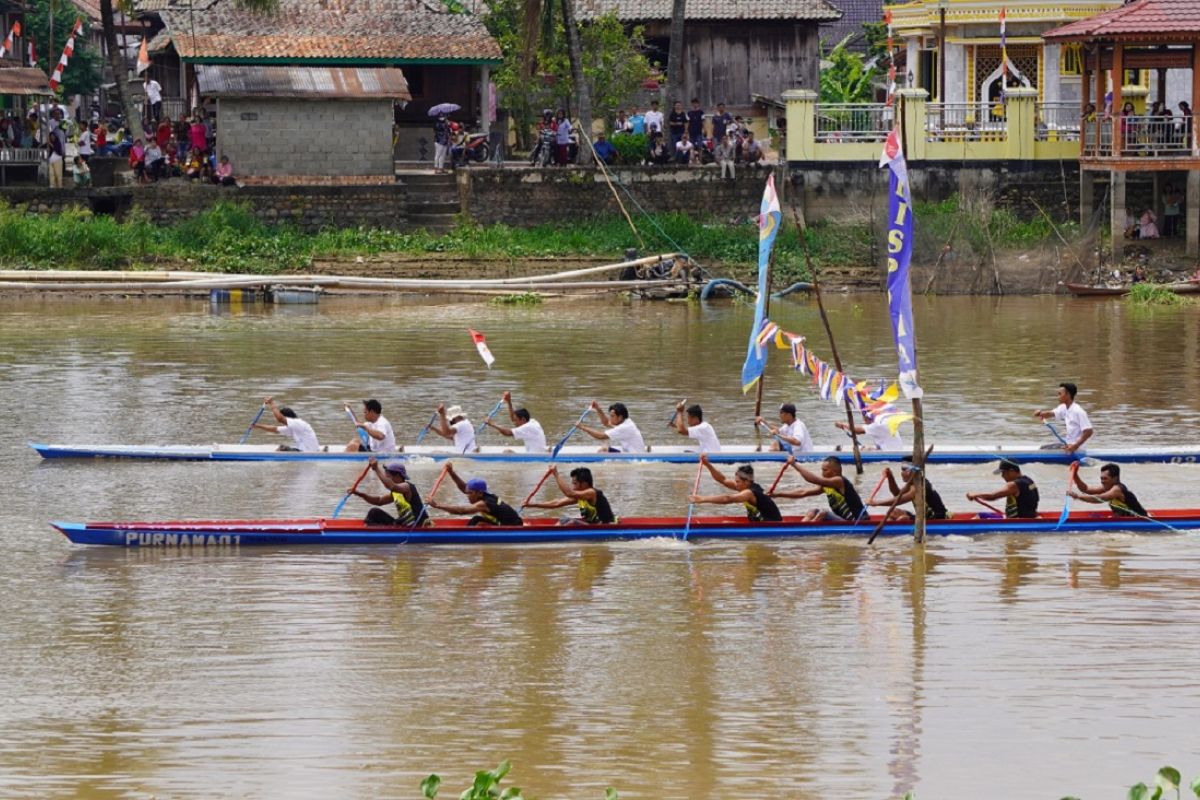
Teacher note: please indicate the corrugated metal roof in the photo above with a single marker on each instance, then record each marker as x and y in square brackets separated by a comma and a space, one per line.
[1139, 20]
[24, 80]
[235, 80]
[640, 10]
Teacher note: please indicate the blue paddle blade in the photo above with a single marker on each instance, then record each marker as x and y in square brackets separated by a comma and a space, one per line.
[363, 436]
[254, 422]
[341, 504]
[1054, 430]
[491, 414]
[428, 425]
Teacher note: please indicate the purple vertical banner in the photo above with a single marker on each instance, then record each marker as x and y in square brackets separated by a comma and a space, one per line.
[899, 257]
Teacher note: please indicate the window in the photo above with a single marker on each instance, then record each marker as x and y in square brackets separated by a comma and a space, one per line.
[1070, 59]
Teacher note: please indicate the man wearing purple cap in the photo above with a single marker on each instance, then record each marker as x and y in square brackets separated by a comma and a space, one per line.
[410, 509]
[486, 508]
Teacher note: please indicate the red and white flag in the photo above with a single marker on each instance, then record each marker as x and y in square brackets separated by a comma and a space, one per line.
[481, 346]
[8, 42]
[68, 51]
[143, 57]
[32, 54]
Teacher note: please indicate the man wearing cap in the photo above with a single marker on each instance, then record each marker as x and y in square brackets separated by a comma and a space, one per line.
[759, 507]
[1079, 427]
[454, 425]
[593, 505]
[304, 440]
[1020, 493]
[619, 431]
[696, 428]
[486, 508]
[934, 507]
[525, 428]
[844, 503]
[382, 439]
[410, 509]
[792, 434]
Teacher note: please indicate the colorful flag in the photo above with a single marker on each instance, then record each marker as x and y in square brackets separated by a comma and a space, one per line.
[769, 217]
[32, 53]
[143, 63]
[68, 51]
[481, 346]
[8, 42]
[899, 247]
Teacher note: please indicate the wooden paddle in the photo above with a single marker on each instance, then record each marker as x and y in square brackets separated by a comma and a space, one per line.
[991, 507]
[342, 503]
[895, 500]
[570, 433]
[432, 419]
[875, 491]
[778, 478]
[253, 422]
[545, 475]
[425, 506]
[363, 436]
[687, 527]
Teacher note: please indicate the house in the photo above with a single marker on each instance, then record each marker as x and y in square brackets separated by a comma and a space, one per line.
[855, 14]
[733, 49]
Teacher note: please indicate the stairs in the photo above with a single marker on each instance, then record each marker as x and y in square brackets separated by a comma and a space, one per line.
[432, 201]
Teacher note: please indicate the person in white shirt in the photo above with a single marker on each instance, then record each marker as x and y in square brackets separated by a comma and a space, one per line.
[1079, 427]
[654, 117]
[153, 98]
[792, 434]
[381, 437]
[526, 429]
[696, 428]
[453, 424]
[879, 437]
[304, 439]
[619, 431]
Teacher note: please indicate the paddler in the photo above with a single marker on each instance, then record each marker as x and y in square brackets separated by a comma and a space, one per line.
[304, 439]
[759, 506]
[381, 437]
[1020, 493]
[792, 434]
[525, 428]
[934, 507]
[690, 422]
[485, 507]
[844, 503]
[452, 424]
[1079, 427]
[619, 431]
[410, 509]
[1123, 502]
[879, 437]
[593, 505]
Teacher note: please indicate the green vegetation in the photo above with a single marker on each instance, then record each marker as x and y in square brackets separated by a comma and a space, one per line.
[522, 299]
[631, 147]
[1153, 294]
[845, 76]
[984, 226]
[487, 786]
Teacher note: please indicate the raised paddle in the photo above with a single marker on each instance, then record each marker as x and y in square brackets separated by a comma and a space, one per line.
[342, 503]
[1066, 512]
[363, 436]
[1057, 435]
[570, 433]
[545, 475]
[875, 491]
[479, 428]
[425, 506]
[675, 413]
[887, 514]
[428, 425]
[687, 526]
[253, 422]
[778, 477]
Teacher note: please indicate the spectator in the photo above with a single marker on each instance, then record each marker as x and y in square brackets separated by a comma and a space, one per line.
[1185, 113]
[181, 136]
[752, 150]
[1089, 112]
[677, 123]
[654, 118]
[195, 165]
[724, 155]
[85, 143]
[441, 143]
[622, 124]
[162, 134]
[684, 149]
[101, 139]
[155, 160]
[1147, 225]
[562, 138]
[604, 149]
[720, 122]
[82, 173]
[197, 135]
[54, 163]
[1171, 202]
[224, 173]
[695, 122]
[659, 154]
[153, 91]
[137, 160]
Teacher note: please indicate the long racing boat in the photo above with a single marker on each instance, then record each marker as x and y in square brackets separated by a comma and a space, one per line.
[317, 531]
[1027, 453]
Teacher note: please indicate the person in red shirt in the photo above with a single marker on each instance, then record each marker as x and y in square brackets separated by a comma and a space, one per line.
[162, 134]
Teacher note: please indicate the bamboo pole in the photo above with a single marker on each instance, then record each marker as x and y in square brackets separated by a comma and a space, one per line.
[919, 453]
[328, 283]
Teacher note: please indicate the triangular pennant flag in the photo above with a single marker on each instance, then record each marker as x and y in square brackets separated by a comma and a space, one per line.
[481, 346]
[143, 63]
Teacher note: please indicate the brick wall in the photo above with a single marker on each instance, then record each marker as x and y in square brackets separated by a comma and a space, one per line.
[306, 137]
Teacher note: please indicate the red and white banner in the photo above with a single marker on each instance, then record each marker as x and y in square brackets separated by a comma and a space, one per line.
[481, 346]
[7, 47]
[68, 51]
[32, 54]
[143, 57]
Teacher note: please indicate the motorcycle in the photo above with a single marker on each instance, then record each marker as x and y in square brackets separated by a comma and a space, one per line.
[471, 147]
[543, 151]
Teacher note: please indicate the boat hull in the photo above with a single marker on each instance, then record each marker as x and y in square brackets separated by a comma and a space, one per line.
[326, 532]
[962, 454]
[1084, 290]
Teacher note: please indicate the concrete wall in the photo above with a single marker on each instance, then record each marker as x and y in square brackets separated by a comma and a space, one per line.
[306, 137]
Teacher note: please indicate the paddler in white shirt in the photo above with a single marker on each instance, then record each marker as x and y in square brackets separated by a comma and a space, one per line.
[381, 437]
[619, 431]
[792, 433]
[696, 428]
[1079, 427]
[877, 433]
[525, 428]
[453, 425]
[303, 438]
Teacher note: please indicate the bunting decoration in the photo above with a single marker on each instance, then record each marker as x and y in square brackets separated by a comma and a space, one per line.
[7, 47]
[769, 218]
[1003, 55]
[68, 51]
[481, 346]
[891, 76]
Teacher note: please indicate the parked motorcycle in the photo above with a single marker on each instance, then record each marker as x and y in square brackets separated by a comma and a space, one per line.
[471, 147]
[543, 151]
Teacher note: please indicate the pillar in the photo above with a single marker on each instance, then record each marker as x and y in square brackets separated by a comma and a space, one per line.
[912, 106]
[1195, 96]
[1020, 115]
[1087, 198]
[1118, 75]
[956, 73]
[801, 110]
[1051, 81]
[913, 58]
[1156, 201]
[1116, 213]
[485, 118]
[1192, 220]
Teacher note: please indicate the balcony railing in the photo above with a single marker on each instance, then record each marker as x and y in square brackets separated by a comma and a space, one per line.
[964, 122]
[20, 155]
[1136, 136]
[854, 122]
[1057, 122]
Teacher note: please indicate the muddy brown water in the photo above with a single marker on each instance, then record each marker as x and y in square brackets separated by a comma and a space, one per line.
[983, 667]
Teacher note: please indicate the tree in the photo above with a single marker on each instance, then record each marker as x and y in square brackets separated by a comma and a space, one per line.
[538, 26]
[582, 89]
[83, 74]
[845, 78]
[675, 53]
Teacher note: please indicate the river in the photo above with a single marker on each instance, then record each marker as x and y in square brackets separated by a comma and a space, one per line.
[998, 666]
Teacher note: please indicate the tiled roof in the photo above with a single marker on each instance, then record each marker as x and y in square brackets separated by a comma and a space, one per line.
[159, 42]
[238, 80]
[332, 30]
[855, 13]
[1141, 19]
[639, 10]
[25, 81]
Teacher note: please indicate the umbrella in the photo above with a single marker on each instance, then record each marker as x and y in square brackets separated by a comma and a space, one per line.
[443, 108]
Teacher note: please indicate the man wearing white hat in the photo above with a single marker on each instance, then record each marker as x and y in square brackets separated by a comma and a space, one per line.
[454, 425]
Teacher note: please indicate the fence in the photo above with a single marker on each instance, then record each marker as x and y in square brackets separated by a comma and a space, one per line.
[1057, 122]
[854, 122]
[965, 122]
[1139, 135]
[20, 155]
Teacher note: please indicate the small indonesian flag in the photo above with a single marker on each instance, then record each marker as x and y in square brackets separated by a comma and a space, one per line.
[143, 57]
[7, 47]
[68, 51]
[481, 346]
[32, 54]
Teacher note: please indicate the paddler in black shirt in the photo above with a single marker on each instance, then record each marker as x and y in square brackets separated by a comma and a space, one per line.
[1020, 493]
[593, 505]
[844, 503]
[486, 508]
[1123, 502]
[934, 507]
[759, 507]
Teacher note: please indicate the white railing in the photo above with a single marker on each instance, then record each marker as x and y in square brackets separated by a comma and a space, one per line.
[965, 122]
[20, 155]
[854, 122]
[1057, 122]
[1136, 135]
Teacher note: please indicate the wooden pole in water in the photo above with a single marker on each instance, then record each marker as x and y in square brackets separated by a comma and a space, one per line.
[762, 378]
